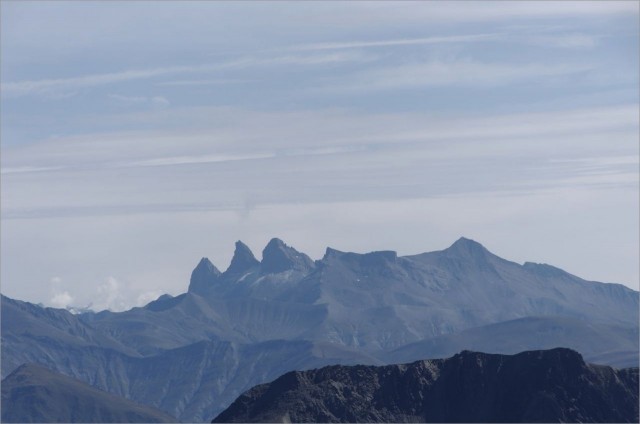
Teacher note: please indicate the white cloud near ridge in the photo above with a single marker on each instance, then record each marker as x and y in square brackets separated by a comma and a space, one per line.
[110, 294]
[61, 300]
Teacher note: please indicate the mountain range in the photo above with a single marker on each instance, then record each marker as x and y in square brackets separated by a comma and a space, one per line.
[191, 355]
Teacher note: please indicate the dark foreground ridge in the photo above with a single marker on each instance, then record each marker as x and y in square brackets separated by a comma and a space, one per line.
[537, 386]
[34, 394]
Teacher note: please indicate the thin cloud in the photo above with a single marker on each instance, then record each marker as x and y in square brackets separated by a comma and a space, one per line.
[28, 169]
[559, 40]
[159, 102]
[566, 41]
[155, 102]
[452, 73]
[188, 160]
[203, 159]
[400, 42]
[128, 99]
[48, 86]
[233, 137]
[393, 159]
[381, 13]
[220, 81]
[601, 161]
[21, 88]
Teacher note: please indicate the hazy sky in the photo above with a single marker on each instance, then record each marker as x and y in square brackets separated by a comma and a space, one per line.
[138, 137]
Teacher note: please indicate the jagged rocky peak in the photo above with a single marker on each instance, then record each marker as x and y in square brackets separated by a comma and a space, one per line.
[206, 267]
[331, 253]
[243, 259]
[278, 257]
[203, 276]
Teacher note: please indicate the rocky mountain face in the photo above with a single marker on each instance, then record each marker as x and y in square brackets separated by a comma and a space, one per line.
[536, 386]
[34, 394]
[193, 354]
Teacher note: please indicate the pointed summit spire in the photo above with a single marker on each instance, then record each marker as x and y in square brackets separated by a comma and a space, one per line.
[206, 265]
[466, 243]
[278, 257]
[243, 259]
[203, 277]
[331, 253]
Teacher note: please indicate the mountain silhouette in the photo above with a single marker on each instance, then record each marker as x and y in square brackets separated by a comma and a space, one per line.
[191, 355]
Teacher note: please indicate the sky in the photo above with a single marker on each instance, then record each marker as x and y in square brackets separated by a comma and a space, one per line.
[138, 137]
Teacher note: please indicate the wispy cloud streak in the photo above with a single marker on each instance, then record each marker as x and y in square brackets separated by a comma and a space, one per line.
[22, 88]
[219, 81]
[451, 73]
[401, 42]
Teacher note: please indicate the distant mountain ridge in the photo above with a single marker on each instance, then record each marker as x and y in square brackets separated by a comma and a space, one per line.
[531, 333]
[288, 312]
[537, 386]
[33, 393]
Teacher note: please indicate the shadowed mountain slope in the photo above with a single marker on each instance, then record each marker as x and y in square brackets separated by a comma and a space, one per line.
[33, 393]
[536, 386]
[31, 333]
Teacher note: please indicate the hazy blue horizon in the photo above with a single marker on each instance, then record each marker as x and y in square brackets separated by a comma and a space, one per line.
[138, 137]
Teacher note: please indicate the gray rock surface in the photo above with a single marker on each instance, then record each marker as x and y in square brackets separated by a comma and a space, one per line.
[278, 257]
[536, 386]
[204, 277]
[242, 261]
